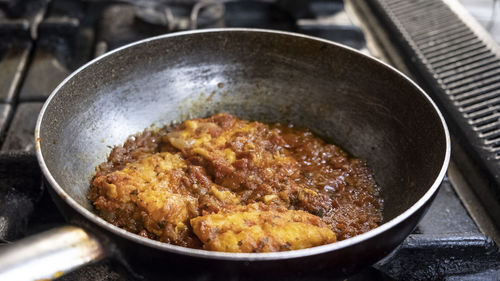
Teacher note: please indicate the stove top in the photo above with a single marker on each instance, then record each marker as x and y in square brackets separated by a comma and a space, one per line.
[41, 42]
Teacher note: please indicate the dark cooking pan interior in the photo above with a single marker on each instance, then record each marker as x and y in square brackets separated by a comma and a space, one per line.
[354, 101]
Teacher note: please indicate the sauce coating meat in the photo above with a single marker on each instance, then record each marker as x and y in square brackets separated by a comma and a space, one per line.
[225, 184]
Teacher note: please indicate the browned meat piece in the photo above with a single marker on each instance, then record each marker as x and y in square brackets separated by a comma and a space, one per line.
[248, 157]
[250, 229]
[148, 195]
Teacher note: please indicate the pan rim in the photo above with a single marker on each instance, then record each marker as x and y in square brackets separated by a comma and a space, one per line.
[242, 256]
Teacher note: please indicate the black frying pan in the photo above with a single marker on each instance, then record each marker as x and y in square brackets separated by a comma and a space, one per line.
[365, 106]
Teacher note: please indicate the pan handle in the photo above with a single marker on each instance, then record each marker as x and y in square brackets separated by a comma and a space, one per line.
[49, 254]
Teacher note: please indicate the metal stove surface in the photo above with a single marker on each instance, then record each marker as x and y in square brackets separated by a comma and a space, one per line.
[42, 42]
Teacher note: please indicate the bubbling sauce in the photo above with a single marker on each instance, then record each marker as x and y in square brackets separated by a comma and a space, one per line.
[225, 184]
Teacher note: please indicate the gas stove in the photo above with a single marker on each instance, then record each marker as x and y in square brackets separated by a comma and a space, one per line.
[434, 41]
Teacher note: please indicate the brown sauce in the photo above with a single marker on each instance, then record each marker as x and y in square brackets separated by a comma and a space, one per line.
[225, 184]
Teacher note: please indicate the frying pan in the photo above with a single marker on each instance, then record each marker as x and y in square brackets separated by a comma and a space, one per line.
[365, 106]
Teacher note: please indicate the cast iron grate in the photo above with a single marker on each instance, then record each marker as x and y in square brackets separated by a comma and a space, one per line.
[460, 64]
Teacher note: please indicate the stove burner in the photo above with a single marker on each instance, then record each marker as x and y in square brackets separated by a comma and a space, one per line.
[181, 16]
